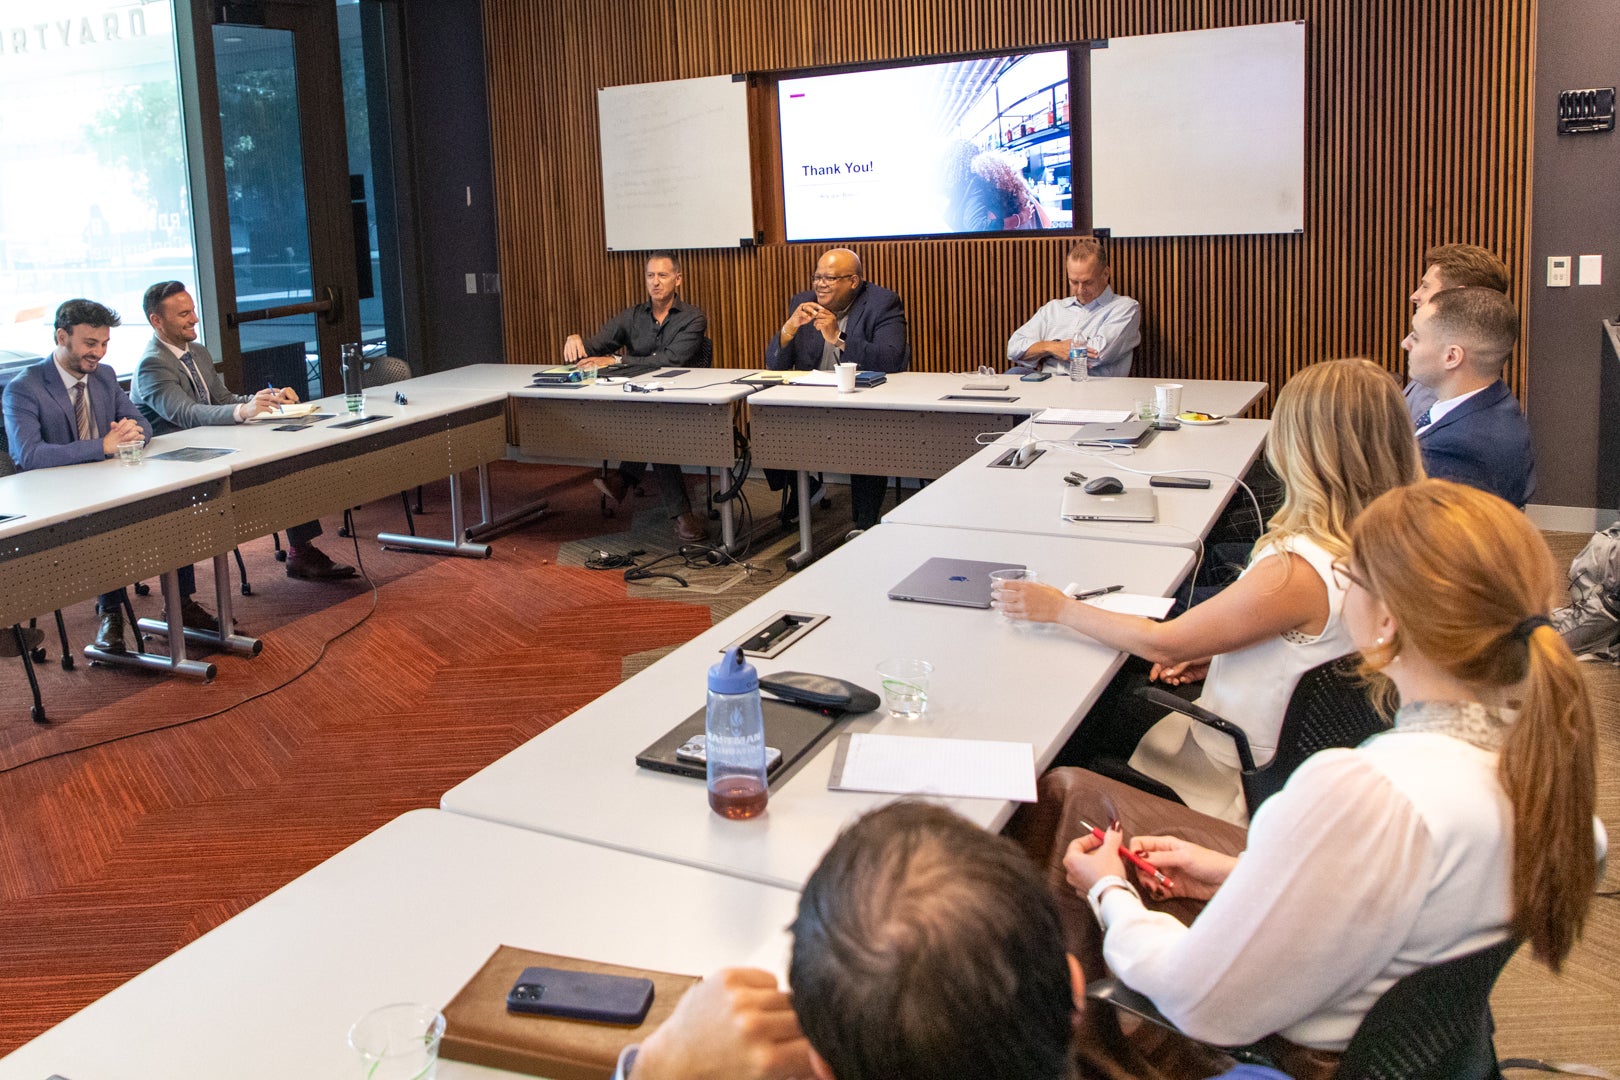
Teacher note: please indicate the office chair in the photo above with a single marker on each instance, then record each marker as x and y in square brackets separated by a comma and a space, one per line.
[1434, 1024]
[1329, 708]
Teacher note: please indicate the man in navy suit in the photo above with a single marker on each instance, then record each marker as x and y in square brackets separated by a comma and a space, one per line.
[1474, 433]
[843, 319]
[67, 410]
[1451, 266]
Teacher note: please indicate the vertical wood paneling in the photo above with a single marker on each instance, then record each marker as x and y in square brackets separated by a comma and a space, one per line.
[1418, 121]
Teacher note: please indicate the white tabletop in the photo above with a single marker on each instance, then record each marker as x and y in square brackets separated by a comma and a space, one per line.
[48, 496]
[694, 386]
[925, 389]
[976, 496]
[258, 442]
[992, 680]
[408, 913]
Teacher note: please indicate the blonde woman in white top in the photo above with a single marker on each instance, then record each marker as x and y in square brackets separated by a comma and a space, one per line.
[1467, 823]
[1340, 437]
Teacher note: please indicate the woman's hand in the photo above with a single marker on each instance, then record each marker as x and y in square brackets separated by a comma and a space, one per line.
[1088, 860]
[1029, 600]
[1195, 872]
[1188, 671]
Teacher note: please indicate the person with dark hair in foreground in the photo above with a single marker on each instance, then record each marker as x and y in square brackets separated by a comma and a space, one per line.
[925, 948]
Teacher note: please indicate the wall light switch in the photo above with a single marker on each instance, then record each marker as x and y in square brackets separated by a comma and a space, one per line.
[472, 280]
[1557, 271]
[1591, 270]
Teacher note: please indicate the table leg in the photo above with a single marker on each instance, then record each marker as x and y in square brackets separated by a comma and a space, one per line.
[728, 527]
[494, 526]
[807, 546]
[456, 545]
[227, 638]
[175, 663]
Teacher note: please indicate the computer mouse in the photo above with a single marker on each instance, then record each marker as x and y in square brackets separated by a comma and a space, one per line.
[1104, 485]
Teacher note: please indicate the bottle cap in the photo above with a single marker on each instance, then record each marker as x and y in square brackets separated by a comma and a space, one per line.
[733, 675]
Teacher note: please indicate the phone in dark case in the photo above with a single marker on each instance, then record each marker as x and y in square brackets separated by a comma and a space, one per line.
[581, 995]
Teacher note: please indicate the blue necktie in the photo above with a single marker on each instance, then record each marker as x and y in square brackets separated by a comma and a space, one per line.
[1423, 421]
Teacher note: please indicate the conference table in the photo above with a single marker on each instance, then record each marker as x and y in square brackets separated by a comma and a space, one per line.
[993, 679]
[923, 424]
[979, 495]
[84, 530]
[685, 419]
[408, 913]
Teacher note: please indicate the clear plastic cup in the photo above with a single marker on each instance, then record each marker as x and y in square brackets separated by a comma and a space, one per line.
[999, 576]
[905, 687]
[398, 1042]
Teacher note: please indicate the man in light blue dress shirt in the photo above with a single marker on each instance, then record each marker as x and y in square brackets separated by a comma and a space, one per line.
[1092, 309]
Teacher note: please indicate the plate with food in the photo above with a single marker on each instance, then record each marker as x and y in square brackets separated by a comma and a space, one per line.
[1200, 419]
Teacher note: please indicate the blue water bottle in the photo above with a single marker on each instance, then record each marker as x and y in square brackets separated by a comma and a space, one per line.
[734, 730]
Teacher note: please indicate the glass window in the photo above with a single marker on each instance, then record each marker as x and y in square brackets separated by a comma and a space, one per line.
[94, 197]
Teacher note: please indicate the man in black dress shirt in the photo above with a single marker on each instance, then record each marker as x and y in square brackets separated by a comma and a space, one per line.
[663, 330]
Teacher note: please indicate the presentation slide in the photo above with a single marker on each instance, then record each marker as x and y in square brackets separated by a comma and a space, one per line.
[928, 149]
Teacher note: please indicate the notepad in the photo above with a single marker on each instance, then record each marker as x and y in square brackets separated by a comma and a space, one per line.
[284, 412]
[916, 765]
[1082, 416]
[1150, 607]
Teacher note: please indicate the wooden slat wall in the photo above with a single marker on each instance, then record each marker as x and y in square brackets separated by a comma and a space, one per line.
[1419, 132]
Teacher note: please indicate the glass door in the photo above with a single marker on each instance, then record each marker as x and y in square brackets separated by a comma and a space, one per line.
[284, 255]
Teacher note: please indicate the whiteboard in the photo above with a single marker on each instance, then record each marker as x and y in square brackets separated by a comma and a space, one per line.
[1200, 132]
[675, 165]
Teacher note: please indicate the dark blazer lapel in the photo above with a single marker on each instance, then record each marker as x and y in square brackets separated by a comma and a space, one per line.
[1481, 401]
[57, 392]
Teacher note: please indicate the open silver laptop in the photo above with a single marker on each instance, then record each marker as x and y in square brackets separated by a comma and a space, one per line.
[958, 582]
[1133, 504]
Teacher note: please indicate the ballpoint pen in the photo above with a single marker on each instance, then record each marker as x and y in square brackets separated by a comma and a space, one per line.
[1092, 593]
[1131, 856]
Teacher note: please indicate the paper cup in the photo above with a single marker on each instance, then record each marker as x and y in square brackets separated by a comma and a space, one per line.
[846, 378]
[1167, 396]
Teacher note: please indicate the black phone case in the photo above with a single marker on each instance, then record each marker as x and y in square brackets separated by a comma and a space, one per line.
[581, 995]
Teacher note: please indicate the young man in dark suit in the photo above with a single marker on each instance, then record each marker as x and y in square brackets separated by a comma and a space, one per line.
[1451, 266]
[843, 319]
[69, 410]
[177, 387]
[1474, 433]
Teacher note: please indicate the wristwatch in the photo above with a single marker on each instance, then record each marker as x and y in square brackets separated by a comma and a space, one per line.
[1094, 895]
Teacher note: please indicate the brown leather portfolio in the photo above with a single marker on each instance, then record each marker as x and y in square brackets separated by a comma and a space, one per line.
[479, 1030]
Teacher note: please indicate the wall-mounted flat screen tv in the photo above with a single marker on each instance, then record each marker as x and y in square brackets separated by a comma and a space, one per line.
[962, 146]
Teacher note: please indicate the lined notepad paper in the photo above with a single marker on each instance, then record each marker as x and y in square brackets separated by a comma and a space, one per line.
[954, 768]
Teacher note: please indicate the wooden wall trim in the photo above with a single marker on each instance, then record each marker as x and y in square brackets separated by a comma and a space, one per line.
[1419, 133]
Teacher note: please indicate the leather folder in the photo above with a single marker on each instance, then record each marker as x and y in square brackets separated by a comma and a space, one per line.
[480, 1031]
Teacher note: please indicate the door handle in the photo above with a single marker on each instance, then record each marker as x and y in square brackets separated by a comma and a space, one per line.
[329, 307]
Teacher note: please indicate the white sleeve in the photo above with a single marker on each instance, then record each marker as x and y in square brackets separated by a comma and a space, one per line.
[1332, 881]
[1121, 328]
[1027, 335]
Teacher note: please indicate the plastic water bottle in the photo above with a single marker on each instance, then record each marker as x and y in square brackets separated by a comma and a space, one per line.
[1079, 366]
[354, 363]
[735, 735]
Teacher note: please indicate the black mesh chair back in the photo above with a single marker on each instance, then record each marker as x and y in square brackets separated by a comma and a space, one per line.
[1435, 1023]
[1329, 708]
[705, 354]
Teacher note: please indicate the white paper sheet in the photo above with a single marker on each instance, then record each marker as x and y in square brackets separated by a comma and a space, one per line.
[916, 765]
[1151, 607]
[1082, 416]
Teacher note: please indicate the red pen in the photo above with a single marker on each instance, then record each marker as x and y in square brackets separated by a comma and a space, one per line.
[1126, 853]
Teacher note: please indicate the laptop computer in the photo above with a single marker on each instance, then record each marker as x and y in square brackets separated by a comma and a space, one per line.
[1132, 504]
[957, 582]
[1122, 433]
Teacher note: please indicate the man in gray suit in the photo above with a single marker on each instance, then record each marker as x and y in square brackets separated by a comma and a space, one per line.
[176, 387]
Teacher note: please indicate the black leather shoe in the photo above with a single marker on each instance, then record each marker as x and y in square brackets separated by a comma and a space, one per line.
[32, 637]
[195, 617]
[110, 632]
[310, 563]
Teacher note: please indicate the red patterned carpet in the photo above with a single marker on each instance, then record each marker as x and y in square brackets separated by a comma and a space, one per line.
[115, 856]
